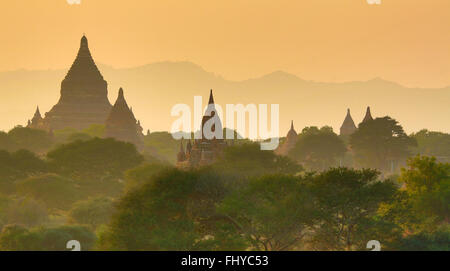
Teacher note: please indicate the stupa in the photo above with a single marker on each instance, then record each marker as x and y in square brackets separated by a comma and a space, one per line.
[348, 126]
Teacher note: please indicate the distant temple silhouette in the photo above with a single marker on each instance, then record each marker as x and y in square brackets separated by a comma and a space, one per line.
[84, 95]
[289, 144]
[203, 151]
[84, 101]
[348, 126]
[121, 123]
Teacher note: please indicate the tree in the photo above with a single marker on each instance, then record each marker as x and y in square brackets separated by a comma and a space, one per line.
[249, 160]
[431, 143]
[78, 136]
[141, 174]
[95, 130]
[438, 240]
[379, 141]
[18, 238]
[27, 212]
[162, 145]
[94, 159]
[348, 202]
[35, 140]
[4, 203]
[423, 204]
[6, 143]
[170, 212]
[93, 212]
[273, 213]
[18, 165]
[318, 149]
[55, 191]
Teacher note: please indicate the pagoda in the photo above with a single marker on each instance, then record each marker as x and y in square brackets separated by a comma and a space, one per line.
[207, 149]
[121, 123]
[289, 143]
[368, 116]
[83, 99]
[348, 126]
[37, 122]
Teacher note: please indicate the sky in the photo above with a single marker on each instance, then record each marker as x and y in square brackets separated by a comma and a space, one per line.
[406, 41]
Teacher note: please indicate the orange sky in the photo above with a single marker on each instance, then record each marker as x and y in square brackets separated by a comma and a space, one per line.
[407, 41]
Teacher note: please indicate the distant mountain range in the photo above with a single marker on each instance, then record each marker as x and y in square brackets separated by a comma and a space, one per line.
[153, 89]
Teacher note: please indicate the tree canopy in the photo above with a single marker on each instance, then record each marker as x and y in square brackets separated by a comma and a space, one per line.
[94, 159]
[379, 141]
[248, 159]
[318, 149]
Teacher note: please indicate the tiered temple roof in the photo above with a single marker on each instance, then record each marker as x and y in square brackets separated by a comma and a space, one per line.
[83, 100]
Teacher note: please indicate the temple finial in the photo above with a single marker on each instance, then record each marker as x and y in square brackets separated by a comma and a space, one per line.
[368, 116]
[84, 41]
[37, 113]
[211, 98]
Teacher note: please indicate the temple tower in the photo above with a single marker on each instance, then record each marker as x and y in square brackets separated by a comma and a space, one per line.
[121, 123]
[37, 122]
[289, 144]
[203, 151]
[83, 99]
[368, 116]
[348, 126]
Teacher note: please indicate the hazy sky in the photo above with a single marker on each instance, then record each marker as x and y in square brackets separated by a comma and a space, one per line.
[407, 41]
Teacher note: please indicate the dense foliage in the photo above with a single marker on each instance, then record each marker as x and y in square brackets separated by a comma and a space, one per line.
[73, 185]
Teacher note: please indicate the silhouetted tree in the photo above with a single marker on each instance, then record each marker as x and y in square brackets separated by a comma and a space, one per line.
[423, 204]
[94, 159]
[6, 143]
[273, 213]
[55, 191]
[379, 141]
[318, 149]
[432, 144]
[18, 165]
[35, 140]
[93, 212]
[249, 160]
[17, 238]
[170, 212]
[348, 201]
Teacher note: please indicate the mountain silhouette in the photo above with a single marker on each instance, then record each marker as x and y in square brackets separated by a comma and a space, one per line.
[153, 89]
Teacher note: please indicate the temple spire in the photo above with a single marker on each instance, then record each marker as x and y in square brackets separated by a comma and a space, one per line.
[37, 114]
[121, 123]
[84, 41]
[292, 125]
[348, 126]
[211, 98]
[368, 116]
